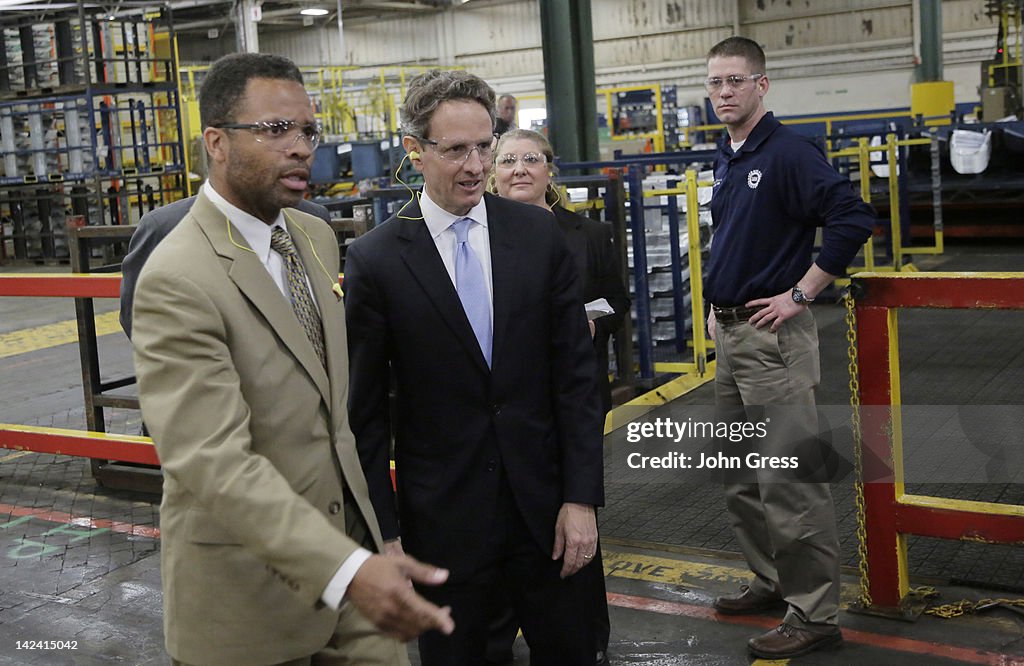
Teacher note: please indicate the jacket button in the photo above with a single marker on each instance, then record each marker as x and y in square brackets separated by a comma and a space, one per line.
[491, 465]
[334, 508]
[496, 408]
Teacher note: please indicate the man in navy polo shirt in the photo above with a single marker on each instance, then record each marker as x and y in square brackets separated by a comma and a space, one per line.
[772, 190]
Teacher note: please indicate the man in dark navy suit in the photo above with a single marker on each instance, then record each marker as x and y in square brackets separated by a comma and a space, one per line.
[473, 303]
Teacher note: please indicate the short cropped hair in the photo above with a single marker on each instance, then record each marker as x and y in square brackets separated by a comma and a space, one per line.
[742, 47]
[224, 86]
[430, 89]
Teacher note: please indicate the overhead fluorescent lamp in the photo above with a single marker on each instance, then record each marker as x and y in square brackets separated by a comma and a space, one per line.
[314, 11]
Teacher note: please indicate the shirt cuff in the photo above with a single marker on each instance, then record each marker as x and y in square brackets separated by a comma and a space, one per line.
[335, 591]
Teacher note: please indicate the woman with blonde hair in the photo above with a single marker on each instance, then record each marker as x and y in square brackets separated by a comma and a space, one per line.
[523, 170]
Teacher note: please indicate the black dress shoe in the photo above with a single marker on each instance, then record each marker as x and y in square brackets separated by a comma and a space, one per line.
[602, 658]
[746, 603]
[786, 641]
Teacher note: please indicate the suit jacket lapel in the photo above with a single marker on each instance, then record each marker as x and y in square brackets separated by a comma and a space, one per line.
[253, 280]
[504, 267]
[426, 267]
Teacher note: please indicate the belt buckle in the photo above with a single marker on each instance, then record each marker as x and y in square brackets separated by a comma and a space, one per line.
[734, 315]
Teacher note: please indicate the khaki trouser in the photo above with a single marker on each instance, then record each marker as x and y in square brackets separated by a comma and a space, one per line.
[785, 526]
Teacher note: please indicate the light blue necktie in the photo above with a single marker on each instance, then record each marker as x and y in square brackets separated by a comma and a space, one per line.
[472, 287]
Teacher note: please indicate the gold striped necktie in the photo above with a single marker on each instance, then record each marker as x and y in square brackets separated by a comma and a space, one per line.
[298, 288]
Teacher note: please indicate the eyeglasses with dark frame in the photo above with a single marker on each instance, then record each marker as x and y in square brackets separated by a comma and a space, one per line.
[735, 81]
[460, 152]
[279, 134]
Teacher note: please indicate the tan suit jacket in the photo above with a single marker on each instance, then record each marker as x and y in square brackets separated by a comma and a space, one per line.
[254, 441]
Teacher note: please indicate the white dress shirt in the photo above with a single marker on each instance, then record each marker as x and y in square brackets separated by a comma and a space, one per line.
[256, 233]
[439, 223]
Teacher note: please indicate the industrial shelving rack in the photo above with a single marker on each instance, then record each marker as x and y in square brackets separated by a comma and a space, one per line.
[90, 122]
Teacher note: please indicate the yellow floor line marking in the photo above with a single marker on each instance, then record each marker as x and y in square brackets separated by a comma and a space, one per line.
[653, 569]
[15, 455]
[51, 335]
[686, 573]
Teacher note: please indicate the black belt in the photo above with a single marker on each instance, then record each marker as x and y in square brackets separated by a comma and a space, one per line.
[734, 315]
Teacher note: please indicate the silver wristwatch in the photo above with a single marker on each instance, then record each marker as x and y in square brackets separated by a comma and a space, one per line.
[800, 297]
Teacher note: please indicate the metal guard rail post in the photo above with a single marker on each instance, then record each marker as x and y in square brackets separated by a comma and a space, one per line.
[81, 443]
[634, 170]
[896, 167]
[890, 512]
[700, 343]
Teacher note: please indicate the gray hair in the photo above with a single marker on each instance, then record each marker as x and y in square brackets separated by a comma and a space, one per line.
[430, 89]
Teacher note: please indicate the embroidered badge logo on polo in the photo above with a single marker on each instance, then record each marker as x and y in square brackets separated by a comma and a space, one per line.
[753, 178]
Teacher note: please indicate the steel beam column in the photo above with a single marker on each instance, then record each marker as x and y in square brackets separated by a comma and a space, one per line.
[568, 47]
[930, 68]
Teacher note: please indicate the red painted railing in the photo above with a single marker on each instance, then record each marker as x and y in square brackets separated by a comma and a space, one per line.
[891, 513]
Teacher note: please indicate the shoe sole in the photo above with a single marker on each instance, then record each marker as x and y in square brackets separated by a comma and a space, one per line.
[778, 604]
[831, 643]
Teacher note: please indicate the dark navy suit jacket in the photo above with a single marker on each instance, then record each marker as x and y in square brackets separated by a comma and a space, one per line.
[533, 417]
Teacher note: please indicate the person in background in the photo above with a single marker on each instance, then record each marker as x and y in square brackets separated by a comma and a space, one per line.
[506, 114]
[473, 304]
[268, 535]
[523, 169]
[772, 189]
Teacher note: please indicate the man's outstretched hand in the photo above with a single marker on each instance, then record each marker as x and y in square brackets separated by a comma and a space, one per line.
[382, 592]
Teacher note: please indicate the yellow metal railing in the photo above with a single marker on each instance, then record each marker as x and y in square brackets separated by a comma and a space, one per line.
[862, 154]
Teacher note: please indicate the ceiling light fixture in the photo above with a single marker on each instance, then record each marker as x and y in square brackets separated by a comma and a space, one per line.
[314, 11]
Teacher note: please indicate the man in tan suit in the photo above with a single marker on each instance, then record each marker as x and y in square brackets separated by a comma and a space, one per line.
[240, 349]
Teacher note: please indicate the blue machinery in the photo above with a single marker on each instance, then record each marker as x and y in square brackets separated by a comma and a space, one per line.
[684, 320]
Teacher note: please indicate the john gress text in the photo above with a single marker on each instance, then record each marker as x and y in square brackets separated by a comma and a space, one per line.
[677, 460]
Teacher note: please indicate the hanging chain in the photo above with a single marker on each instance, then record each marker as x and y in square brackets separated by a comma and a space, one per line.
[855, 427]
